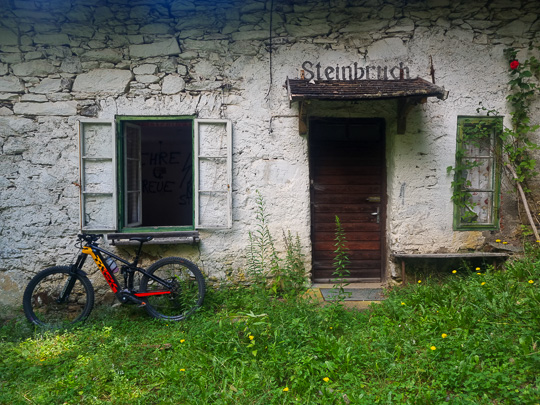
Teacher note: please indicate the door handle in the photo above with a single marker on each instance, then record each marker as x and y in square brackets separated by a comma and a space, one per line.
[377, 214]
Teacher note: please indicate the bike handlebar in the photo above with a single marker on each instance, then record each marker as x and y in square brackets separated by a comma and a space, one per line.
[88, 237]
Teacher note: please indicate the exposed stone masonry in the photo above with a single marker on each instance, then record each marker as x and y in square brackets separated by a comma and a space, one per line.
[61, 61]
[86, 45]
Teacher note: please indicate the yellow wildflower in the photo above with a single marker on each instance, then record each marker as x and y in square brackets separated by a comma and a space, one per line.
[498, 240]
[326, 379]
[433, 348]
[454, 271]
[182, 369]
[478, 269]
[182, 340]
[402, 303]
[505, 243]
[483, 283]
[251, 337]
[285, 389]
[419, 281]
[531, 281]
[444, 335]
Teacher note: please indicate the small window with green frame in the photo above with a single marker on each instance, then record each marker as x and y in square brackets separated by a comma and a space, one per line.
[477, 174]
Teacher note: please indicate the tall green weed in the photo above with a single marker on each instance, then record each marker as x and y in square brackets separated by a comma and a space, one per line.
[341, 262]
[265, 267]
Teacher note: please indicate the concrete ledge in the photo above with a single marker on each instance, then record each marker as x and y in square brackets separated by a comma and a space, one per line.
[447, 256]
[160, 238]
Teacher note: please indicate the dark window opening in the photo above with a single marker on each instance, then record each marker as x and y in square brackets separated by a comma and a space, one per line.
[158, 162]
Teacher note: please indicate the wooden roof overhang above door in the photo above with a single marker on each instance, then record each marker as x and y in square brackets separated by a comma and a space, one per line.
[409, 93]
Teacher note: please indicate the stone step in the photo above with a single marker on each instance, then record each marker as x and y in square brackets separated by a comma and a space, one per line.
[361, 295]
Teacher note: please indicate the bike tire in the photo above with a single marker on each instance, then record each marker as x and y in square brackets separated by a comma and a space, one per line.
[40, 304]
[187, 294]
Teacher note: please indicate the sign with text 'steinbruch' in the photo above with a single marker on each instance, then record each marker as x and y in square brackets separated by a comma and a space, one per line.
[354, 72]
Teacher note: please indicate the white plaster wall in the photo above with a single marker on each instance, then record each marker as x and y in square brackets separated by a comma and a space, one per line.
[213, 60]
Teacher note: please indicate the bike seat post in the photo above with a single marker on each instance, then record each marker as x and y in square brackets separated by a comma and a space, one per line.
[136, 261]
[141, 240]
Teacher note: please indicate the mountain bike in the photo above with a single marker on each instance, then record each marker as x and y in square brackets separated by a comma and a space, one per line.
[172, 288]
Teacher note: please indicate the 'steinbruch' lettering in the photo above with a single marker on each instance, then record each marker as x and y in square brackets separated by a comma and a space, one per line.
[354, 72]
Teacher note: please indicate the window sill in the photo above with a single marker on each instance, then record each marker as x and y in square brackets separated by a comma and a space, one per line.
[476, 228]
[160, 238]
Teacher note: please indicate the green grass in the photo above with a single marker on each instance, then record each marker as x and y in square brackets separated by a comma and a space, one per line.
[465, 339]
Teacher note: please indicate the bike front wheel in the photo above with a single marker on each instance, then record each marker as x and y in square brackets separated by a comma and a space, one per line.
[185, 286]
[56, 298]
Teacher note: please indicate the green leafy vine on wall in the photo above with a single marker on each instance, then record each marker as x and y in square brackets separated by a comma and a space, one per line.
[475, 134]
[517, 143]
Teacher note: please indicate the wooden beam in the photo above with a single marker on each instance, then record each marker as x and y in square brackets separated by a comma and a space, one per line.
[405, 105]
[302, 118]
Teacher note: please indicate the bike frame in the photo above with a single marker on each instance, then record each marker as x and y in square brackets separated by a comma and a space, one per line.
[95, 251]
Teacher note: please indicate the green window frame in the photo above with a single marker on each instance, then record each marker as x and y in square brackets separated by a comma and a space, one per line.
[133, 187]
[477, 174]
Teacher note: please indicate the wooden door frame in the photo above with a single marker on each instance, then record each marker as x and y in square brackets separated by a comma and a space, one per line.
[383, 215]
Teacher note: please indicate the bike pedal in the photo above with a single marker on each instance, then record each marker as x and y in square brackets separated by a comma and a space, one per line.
[128, 298]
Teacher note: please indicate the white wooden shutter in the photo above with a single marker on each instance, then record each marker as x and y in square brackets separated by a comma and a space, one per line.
[97, 150]
[213, 173]
[132, 181]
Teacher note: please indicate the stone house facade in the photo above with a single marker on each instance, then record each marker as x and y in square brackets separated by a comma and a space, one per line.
[170, 116]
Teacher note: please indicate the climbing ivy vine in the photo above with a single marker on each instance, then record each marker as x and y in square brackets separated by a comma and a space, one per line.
[517, 140]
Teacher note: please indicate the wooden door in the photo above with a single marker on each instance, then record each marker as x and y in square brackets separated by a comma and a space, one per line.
[347, 169]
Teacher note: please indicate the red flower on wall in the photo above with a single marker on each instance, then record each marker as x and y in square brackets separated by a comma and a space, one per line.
[514, 65]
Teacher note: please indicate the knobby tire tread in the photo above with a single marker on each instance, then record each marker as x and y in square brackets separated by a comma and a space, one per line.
[51, 271]
[193, 304]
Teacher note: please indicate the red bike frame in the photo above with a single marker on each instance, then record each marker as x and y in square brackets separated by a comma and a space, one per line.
[95, 252]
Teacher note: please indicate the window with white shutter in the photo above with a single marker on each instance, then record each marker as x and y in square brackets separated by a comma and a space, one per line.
[156, 174]
[97, 150]
[213, 174]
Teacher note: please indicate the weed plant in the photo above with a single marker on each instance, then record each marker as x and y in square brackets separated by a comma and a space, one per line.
[472, 339]
[341, 263]
[262, 255]
[286, 276]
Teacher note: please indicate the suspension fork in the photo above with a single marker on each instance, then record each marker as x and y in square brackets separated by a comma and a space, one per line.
[72, 279]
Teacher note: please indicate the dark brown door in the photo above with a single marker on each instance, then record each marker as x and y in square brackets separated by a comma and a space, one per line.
[347, 166]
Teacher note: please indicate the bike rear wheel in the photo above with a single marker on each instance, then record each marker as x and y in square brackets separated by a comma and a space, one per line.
[41, 300]
[187, 289]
